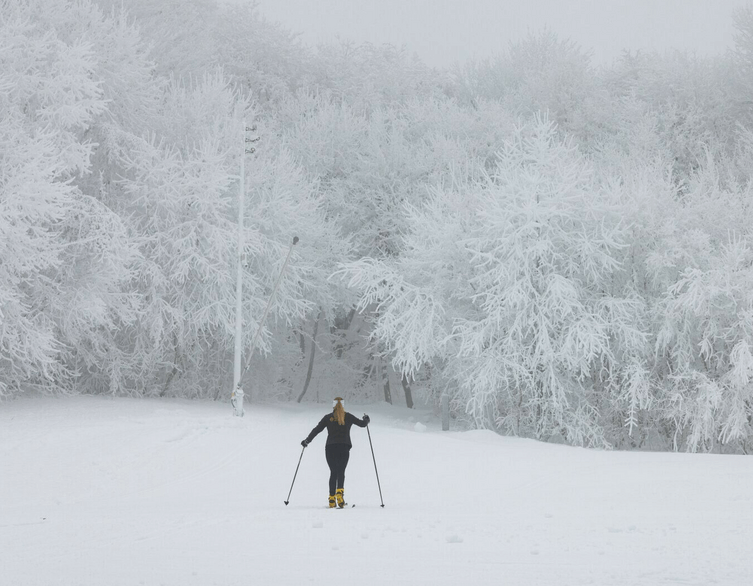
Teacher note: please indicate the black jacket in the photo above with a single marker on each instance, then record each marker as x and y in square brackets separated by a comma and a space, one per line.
[336, 433]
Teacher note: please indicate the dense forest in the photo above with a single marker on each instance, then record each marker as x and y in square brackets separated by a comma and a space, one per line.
[562, 251]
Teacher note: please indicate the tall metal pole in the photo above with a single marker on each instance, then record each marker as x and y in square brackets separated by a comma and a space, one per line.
[237, 396]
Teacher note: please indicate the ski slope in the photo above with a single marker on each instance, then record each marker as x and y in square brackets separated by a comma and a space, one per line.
[96, 491]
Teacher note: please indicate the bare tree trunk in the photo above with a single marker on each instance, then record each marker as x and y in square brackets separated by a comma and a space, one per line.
[445, 412]
[383, 376]
[174, 371]
[407, 391]
[349, 319]
[345, 327]
[365, 375]
[311, 358]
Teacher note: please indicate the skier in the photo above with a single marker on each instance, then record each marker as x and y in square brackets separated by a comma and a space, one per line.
[337, 449]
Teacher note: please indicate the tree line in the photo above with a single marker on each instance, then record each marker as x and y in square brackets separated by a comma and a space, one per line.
[563, 251]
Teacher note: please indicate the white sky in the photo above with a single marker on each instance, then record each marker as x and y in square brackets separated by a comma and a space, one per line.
[443, 32]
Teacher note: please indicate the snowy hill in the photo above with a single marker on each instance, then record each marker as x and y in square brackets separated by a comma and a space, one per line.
[102, 492]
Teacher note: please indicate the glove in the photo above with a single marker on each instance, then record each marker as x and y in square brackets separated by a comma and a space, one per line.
[366, 418]
[305, 443]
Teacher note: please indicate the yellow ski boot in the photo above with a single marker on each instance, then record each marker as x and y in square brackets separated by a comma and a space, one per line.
[331, 501]
[340, 494]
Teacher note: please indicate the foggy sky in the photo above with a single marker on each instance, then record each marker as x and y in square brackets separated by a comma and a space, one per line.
[443, 32]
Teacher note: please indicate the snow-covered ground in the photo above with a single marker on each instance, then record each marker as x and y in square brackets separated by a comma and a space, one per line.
[98, 491]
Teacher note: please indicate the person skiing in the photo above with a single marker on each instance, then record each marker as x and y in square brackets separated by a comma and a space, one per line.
[337, 449]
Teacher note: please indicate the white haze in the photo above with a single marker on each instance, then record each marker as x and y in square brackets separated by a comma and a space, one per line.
[445, 32]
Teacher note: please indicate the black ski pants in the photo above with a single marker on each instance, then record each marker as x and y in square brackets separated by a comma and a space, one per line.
[337, 460]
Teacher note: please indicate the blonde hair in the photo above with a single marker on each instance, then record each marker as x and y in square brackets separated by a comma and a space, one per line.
[339, 411]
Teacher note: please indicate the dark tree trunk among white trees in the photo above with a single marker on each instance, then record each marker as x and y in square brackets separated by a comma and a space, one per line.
[312, 355]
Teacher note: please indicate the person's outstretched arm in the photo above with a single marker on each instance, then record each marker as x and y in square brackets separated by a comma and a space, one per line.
[316, 431]
[360, 422]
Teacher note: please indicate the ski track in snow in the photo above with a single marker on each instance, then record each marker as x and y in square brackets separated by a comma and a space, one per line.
[98, 491]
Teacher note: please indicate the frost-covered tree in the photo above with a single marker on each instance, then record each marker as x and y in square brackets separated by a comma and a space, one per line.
[135, 292]
[191, 38]
[540, 73]
[178, 187]
[690, 100]
[369, 166]
[677, 237]
[706, 337]
[743, 59]
[696, 283]
[506, 281]
[65, 255]
[369, 77]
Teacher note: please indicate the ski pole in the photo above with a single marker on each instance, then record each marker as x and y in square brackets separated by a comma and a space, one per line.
[375, 466]
[294, 475]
